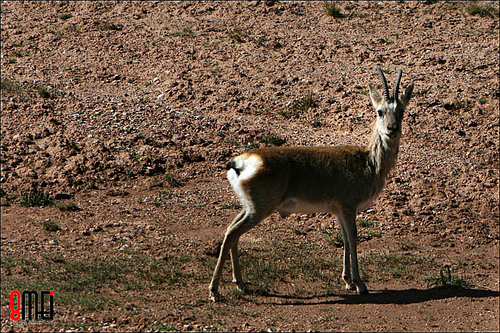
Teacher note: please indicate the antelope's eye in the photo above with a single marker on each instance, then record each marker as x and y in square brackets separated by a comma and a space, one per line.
[380, 113]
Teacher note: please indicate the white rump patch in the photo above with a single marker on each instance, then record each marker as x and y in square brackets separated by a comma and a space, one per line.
[248, 165]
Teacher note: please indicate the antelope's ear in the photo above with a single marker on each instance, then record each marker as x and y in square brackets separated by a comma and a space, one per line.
[405, 98]
[376, 98]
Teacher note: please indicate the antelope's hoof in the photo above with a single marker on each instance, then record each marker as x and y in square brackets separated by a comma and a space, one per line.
[350, 287]
[362, 290]
[213, 296]
[242, 286]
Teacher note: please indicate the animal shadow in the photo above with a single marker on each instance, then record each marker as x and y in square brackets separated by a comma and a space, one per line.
[407, 296]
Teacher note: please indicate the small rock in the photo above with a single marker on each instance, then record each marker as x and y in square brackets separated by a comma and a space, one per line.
[97, 228]
[117, 193]
[55, 121]
[62, 196]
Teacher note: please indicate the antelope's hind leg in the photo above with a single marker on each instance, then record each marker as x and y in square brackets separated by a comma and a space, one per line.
[242, 223]
[237, 278]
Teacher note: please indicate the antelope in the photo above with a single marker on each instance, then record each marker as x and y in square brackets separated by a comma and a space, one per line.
[341, 180]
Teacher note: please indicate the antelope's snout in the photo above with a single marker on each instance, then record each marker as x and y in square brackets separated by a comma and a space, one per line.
[393, 129]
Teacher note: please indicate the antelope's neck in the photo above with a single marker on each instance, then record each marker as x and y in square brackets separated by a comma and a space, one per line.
[383, 153]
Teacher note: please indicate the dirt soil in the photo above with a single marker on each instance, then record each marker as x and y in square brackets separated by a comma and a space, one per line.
[123, 115]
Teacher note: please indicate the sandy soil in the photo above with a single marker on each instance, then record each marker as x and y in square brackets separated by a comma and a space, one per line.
[124, 114]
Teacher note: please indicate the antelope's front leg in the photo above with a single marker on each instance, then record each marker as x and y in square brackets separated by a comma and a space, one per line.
[356, 279]
[346, 270]
[350, 273]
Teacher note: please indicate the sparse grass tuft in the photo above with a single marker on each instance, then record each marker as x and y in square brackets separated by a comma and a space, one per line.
[50, 225]
[287, 112]
[17, 53]
[236, 293]
[407, 246]
[266, 268]
[237, 35]
[80, 283]
[393, 265]
[261, 274]
[67, 207]
[447, 280]
[308, 102]
[334, 237]
[45, 91]
[172, 181]
[235, 205]
[164, 328]
[10, 86]
[36, 199]
[302, 105]
[106, 26]
[273, 138]
[482, 10]
[65, 16]
[365, 223]
[186, 32]
[332, 10]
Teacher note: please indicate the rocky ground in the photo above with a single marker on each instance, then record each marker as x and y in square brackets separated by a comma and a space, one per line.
[119, 117]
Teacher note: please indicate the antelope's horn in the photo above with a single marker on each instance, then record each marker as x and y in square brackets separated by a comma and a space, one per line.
[396, 87]
[387, 96]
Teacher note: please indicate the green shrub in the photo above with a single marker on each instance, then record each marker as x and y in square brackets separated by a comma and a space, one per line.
[272, 138]
[482, 10]
[447, 280]
[36, 199]
[50, 225]
[333, 11]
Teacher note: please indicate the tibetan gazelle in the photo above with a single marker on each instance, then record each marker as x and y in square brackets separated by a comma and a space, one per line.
[341, 180]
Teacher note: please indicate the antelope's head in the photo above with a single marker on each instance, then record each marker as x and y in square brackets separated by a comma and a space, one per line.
[389, 108]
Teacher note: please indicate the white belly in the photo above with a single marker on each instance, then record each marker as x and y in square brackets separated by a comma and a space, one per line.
[296, 205]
